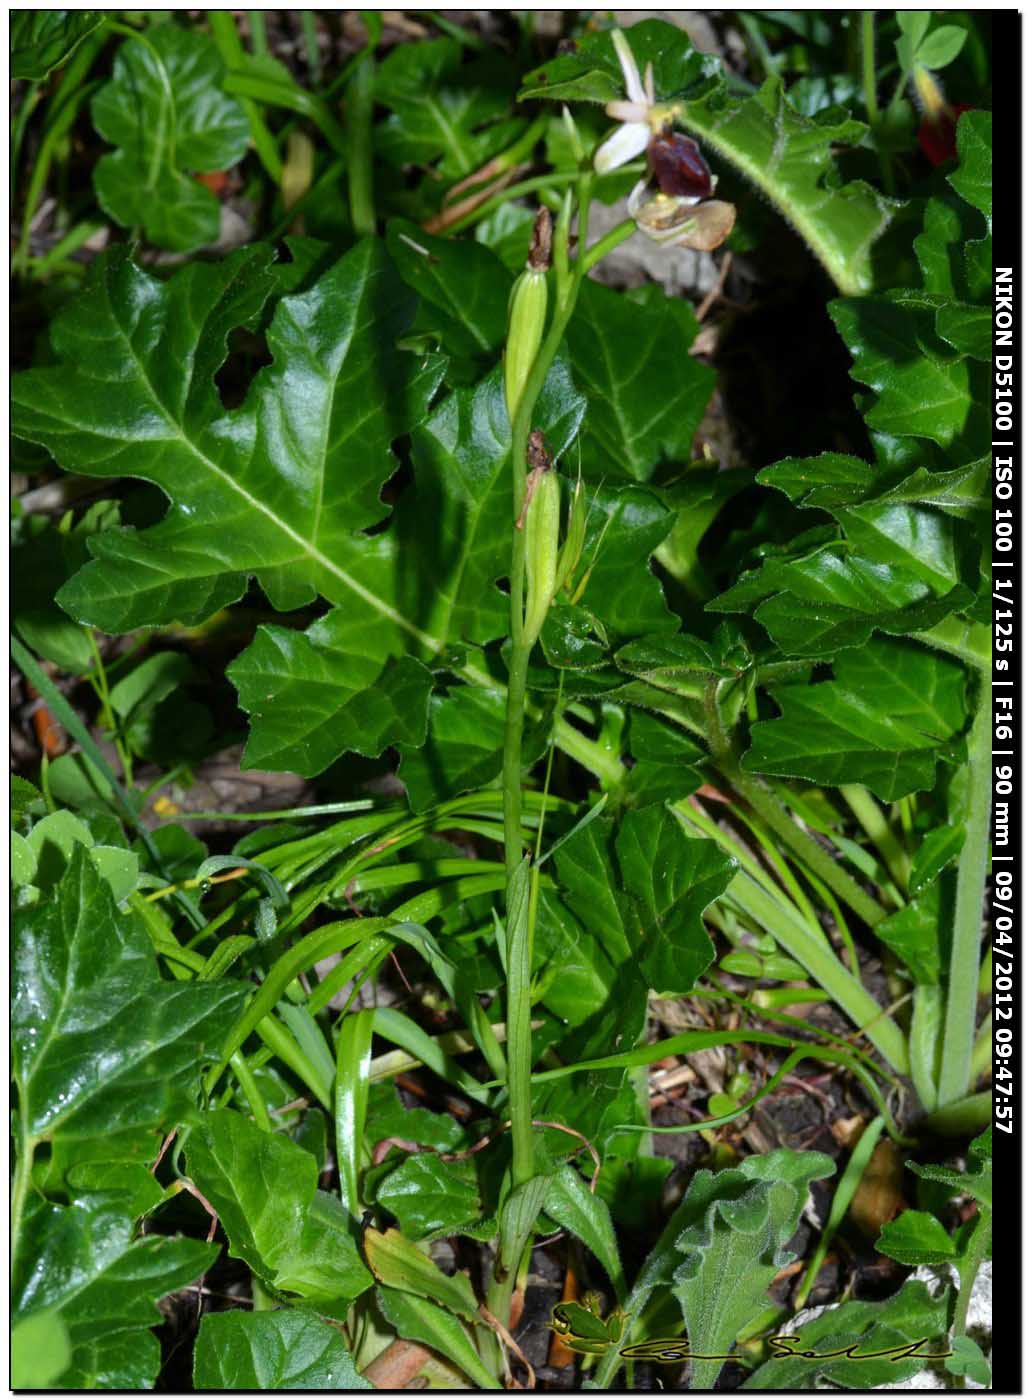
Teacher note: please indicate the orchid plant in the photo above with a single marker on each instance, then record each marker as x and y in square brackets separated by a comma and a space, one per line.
[621, 756]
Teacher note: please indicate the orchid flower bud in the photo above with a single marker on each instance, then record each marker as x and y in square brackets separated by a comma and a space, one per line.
[526, 321]
[541, 551]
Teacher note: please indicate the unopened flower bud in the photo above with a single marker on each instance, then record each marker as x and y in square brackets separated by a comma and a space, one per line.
[541, 551]
[526, 320]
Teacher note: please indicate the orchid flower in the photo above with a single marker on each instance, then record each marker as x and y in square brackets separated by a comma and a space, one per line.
[675, 161]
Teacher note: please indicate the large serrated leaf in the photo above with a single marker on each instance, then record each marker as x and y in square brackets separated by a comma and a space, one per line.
[646, 394]
[884, 721]
[105, 1285]
[101, 1045]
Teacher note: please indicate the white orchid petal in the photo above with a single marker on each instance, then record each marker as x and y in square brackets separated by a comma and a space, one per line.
[627, 142]
[637, 197]
[627, 111]
[632, 81]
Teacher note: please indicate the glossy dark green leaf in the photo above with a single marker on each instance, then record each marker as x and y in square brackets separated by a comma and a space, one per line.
[923, 387]
[883, 721]
[592, 73]
[288, 1349]
[571, 1204]
[669, 879]
[166, 110]
[623, 527]
[967, 329]
[388, 1117]
[973, 178]
[937, 849]
[42, 40]
[464, 283]
[264, 1188]
[570, 640]
[911, 1315]
[101, 1044]
[85, 1265]
[807, 626]
[43, 558]
[280, 488]
[440, 110]
[673, 879]
[429, 1196]
[313, 695]
[646, 394]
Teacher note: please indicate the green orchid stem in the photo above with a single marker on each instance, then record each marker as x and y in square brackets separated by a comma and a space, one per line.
[359, 111]
[961, 1002]
[229, 45]
[21, 1184]
[878, 829]
[870, 94]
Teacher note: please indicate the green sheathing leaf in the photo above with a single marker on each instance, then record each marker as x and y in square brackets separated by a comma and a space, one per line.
[890, 713]
[418, 1320]
[786, 155]
[264, 1189]
[85, 1265]
[734, 1244]
[910, 1316]
[42, 40]
[166, 111]
[646, 394]
[101, 1045]
[284, 1350]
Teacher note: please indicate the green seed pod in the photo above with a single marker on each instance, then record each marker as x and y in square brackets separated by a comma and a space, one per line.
[541, 551]
[527, 321]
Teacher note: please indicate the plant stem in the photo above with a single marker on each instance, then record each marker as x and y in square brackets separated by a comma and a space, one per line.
[359, 110]
[226, 37]
[20, 1184]
[876, 825]
[870, 95]
[975, 1253]
[961, 1002]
